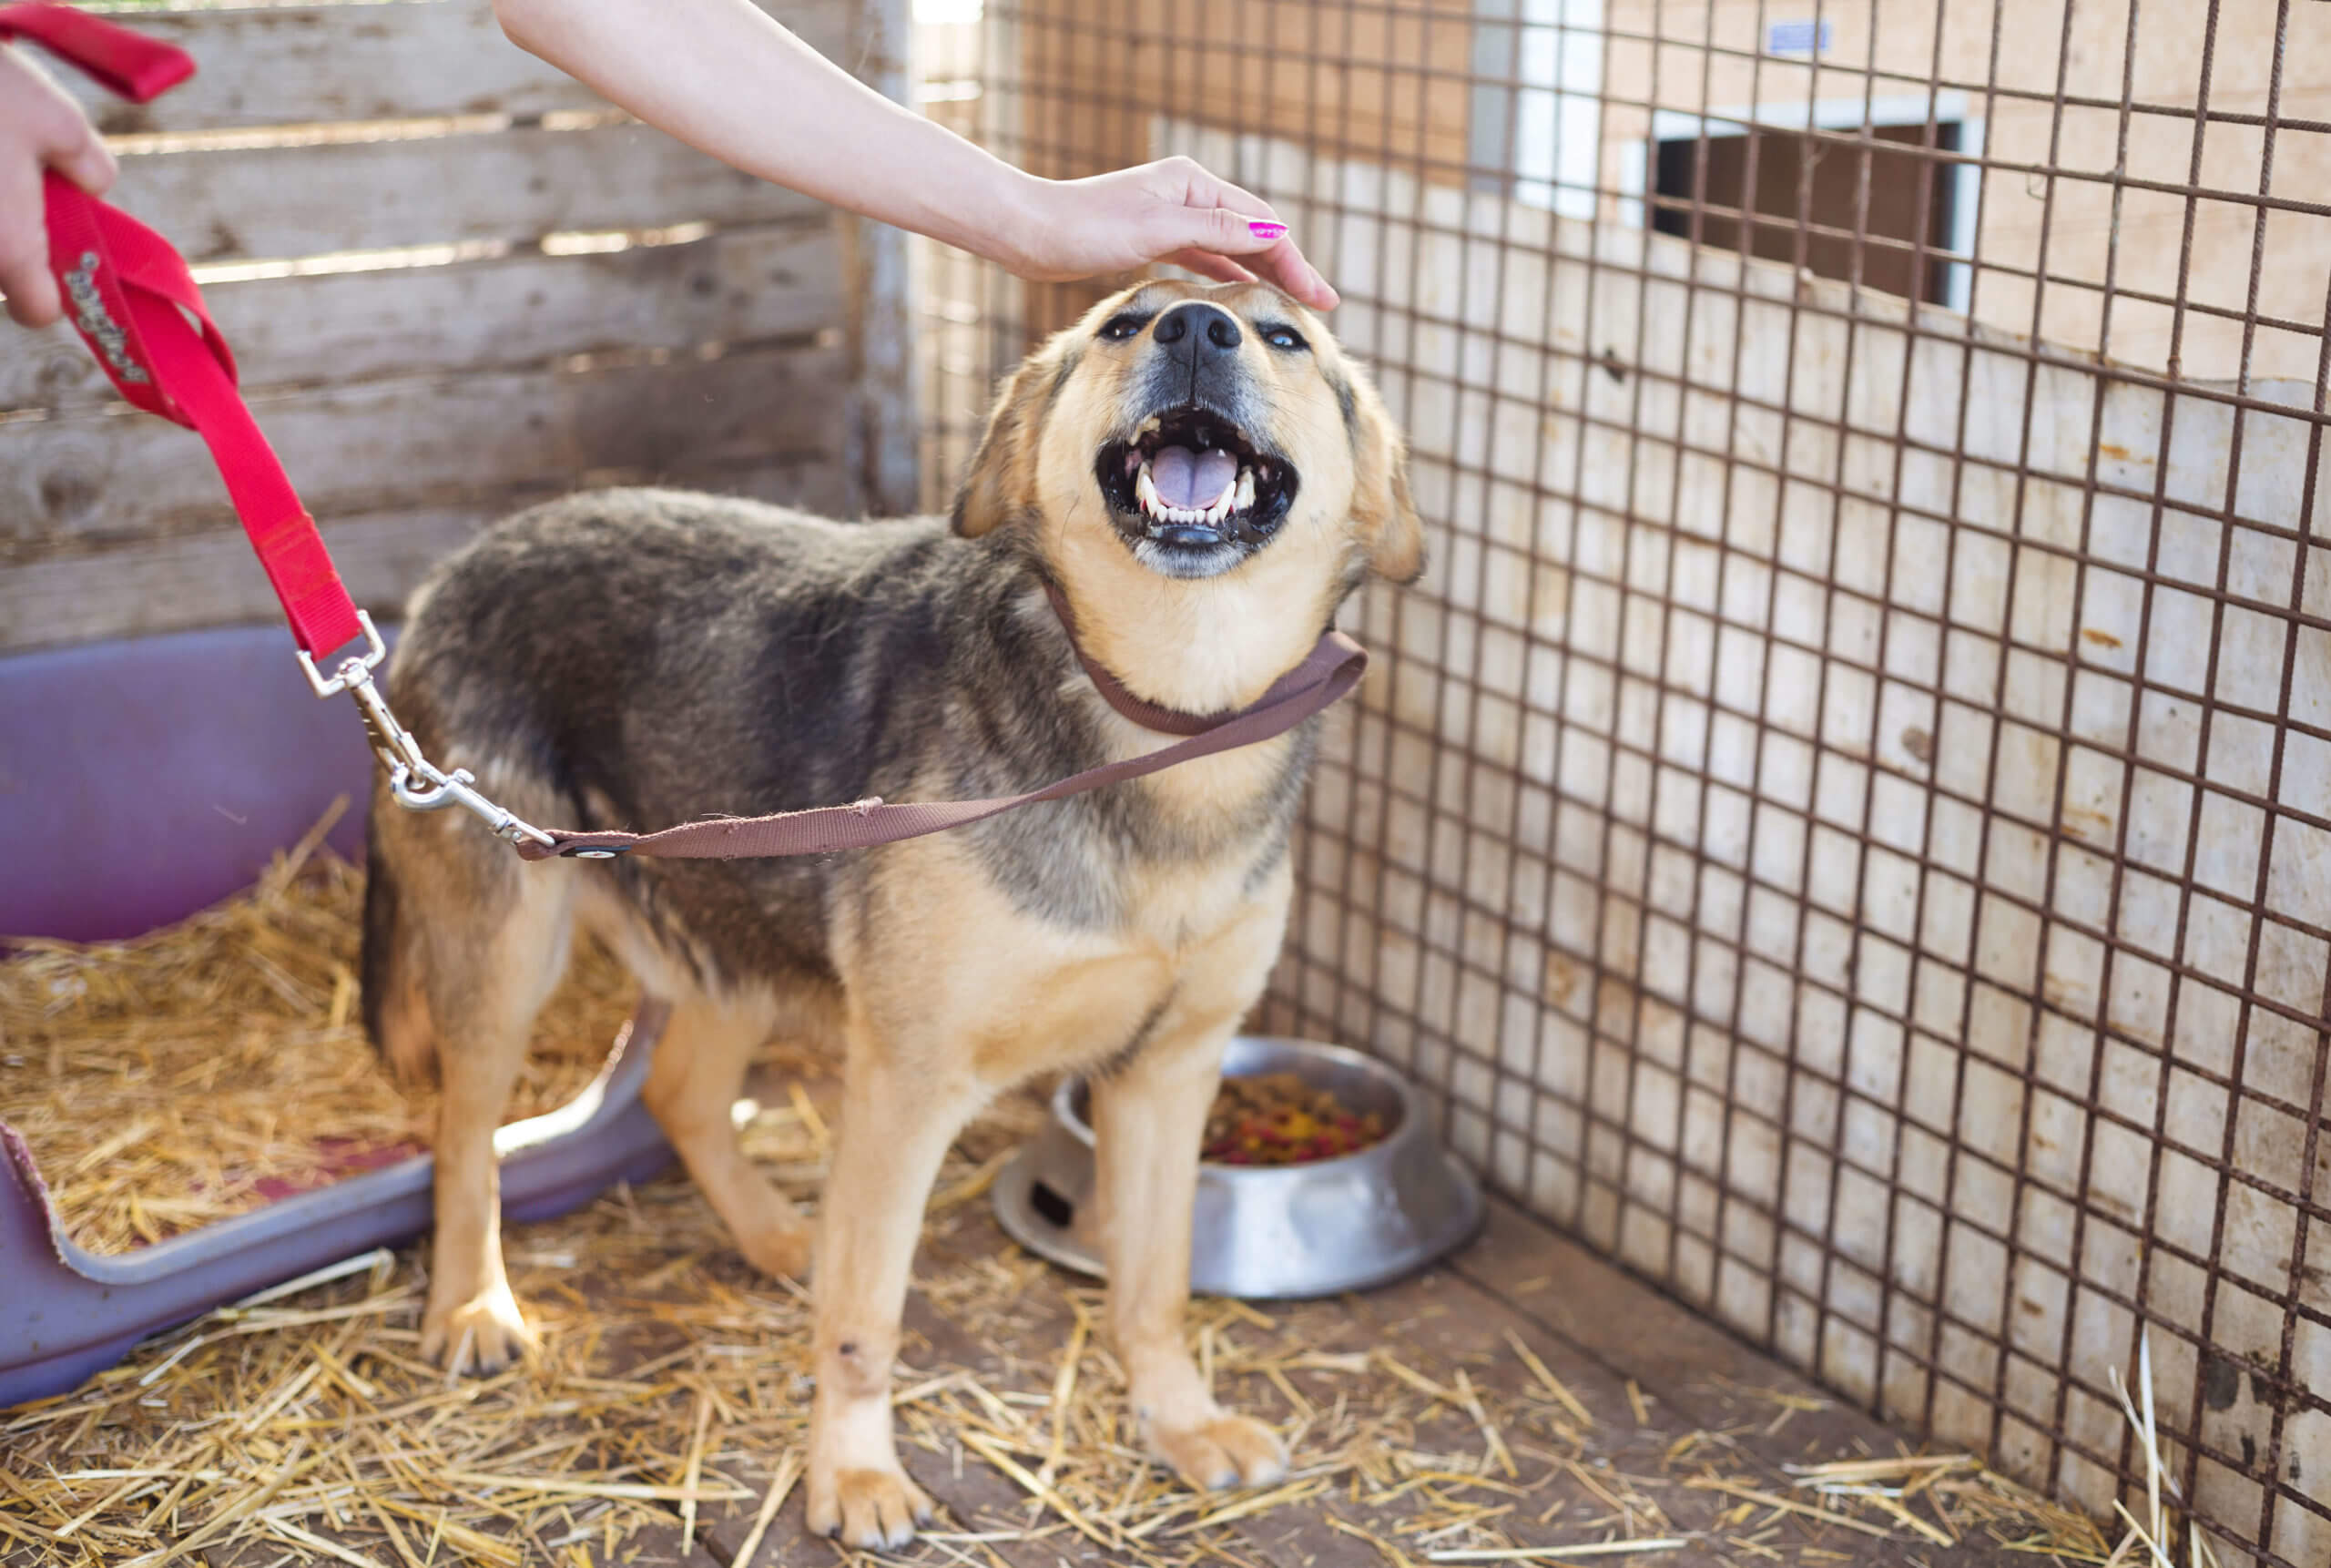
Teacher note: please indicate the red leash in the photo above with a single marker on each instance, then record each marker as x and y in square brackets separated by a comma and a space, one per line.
[130, 296]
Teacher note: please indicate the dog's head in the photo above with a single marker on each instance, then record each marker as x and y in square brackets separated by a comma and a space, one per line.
[1193, 431]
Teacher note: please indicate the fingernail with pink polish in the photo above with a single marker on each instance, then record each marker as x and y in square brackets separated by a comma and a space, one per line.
[1268, 230]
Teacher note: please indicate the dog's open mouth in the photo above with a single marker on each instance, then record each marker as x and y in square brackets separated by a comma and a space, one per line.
[1192, 495]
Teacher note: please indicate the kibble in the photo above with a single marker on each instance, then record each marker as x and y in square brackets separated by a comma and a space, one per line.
[1278, 1119]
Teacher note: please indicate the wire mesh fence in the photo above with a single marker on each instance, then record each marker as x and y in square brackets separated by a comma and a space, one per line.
[1845, 823]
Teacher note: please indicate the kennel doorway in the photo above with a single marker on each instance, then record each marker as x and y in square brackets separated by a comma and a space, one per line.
[1842, 827]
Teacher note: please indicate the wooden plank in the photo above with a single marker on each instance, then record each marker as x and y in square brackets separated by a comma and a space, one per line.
[276, 202]
[295, 64]
[885, 426]
[112, 475]
[1700, 1374]
[211, 579]
[739, 286]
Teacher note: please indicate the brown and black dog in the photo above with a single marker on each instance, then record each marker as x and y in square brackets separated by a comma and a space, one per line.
[1204, 478]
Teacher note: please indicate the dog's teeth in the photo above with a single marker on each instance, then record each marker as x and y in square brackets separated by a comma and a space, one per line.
[1243, 498]
[1144, 491]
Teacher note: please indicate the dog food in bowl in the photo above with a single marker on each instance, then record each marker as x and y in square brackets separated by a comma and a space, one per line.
[1278, 1119]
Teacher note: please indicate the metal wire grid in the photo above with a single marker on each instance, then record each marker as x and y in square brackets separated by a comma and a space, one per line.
[1887, 903]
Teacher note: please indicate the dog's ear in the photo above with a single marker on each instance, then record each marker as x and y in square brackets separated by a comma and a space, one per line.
[1381, 507]
[1002, 481]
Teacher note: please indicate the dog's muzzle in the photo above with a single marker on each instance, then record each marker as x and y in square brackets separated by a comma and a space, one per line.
[1192, 493]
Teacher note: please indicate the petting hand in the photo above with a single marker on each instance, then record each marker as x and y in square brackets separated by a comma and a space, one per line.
[1171, 211]
[40, 127]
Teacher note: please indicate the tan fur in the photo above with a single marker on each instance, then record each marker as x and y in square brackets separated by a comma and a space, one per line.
[949, 993]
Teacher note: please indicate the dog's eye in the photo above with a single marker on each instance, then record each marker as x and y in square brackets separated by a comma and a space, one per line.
[1285, 338]
[1118, 329]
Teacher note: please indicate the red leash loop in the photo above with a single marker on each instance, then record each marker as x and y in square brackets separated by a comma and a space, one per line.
[130, 296]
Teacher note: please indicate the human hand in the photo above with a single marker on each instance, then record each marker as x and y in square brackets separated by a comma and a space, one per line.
[1171, 211]
[40, 127]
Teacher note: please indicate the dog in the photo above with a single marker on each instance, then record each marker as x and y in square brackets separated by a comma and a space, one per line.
[1203, 478]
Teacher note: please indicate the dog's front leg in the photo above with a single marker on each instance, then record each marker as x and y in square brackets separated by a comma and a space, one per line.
[897, 1123]
[1148, 1119]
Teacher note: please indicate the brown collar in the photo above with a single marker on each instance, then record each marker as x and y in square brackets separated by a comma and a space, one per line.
[1148, 714]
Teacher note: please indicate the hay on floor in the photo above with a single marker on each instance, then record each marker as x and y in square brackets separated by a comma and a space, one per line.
[209, 1067]
[670, 1394]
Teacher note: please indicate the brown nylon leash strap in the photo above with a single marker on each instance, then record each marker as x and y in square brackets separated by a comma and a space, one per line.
[1327, 672]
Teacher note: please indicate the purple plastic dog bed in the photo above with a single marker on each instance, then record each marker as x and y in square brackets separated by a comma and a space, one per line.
[141, 780]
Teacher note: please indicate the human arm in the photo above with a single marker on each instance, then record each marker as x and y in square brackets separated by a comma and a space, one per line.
[725, 78]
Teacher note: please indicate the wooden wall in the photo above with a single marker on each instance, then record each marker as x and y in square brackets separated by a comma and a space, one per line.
[456, 282]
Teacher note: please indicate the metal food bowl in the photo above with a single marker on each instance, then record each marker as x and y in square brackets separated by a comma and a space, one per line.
[1328, 1226]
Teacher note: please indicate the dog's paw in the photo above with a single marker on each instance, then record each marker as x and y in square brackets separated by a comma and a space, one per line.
[867, 1508]
[780, 1249]
[481, 1335]
[1222, 1450]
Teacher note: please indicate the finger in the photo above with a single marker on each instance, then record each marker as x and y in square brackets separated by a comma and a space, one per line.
[1278, 259]
[24, 248]
[1206, 264]
[61, 133]
[32, 292]
[86, 162]
[1262, 246]
[1201, 188]
[1217, 230]
[1284, 265]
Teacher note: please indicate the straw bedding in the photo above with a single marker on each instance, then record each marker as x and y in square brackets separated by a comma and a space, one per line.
[214, 1065]
[669, 1404]
[664, 1417]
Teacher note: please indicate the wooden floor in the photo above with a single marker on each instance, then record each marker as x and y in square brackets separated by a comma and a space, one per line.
[1619, 1347]
[1524, 1395]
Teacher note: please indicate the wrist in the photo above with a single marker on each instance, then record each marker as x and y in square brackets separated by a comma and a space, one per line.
[1005, 217]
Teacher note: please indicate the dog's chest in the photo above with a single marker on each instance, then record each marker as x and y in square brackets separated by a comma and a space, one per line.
[1176, 908]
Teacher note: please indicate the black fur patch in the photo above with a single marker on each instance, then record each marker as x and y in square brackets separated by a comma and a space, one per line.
[375, 964]
[1349, 403]
[1122, 1057]
[1068, 364]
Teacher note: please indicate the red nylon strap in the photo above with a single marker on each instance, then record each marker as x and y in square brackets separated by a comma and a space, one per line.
[1332, 668]
[129, 64]
[130, 295]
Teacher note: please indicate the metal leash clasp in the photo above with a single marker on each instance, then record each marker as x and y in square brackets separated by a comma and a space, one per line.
[416, 783]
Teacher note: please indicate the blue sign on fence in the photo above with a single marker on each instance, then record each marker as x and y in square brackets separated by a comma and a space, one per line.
[1799, 37]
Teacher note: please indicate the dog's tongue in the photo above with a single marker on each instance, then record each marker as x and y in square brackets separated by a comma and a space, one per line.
[1192, 480]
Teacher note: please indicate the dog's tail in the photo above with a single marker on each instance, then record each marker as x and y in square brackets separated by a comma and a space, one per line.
[396, 1015]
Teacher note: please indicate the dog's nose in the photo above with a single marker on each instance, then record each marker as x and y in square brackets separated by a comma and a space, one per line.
[1198, 331]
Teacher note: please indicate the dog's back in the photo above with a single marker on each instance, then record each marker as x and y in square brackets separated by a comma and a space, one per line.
[632, 648]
